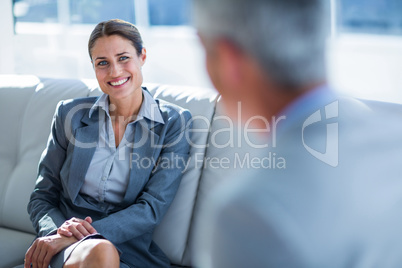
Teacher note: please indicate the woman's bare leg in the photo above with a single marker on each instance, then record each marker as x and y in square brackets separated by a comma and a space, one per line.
[97, 253]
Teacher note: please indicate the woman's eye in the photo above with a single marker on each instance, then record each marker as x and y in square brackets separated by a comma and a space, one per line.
[123, 58]
[102, 63]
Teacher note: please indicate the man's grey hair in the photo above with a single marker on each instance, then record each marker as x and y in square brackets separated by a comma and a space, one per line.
[286, 37]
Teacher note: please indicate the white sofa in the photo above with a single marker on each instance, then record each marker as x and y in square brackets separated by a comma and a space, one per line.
[27, 104]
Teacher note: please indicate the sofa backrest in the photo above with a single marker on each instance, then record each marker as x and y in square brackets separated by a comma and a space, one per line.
[27, 105]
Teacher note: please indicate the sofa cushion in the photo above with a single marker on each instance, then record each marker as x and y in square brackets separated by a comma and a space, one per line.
[13, 245]
[27, 106]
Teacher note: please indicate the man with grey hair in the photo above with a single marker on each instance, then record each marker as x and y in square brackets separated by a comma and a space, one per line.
[336, 202]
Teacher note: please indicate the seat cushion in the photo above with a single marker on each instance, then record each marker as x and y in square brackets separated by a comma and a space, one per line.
[13, 245]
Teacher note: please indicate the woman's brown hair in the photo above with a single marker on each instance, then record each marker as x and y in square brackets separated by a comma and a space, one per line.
[122, 28]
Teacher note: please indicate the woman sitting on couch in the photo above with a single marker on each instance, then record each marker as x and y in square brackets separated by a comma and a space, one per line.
[110, 169]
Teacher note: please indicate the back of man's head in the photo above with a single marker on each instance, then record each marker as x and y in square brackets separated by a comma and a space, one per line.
[286, 37]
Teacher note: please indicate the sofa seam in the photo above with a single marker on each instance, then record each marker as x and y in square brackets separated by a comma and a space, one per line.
[190, 228]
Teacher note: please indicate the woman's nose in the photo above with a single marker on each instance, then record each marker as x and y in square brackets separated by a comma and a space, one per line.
[115, 70]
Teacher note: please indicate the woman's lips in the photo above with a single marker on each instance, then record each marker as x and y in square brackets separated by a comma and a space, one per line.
[119, 82]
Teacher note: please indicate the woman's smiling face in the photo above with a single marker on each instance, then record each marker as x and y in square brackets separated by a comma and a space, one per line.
[118, 67]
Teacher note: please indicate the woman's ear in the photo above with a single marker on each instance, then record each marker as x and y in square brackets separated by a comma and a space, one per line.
[143, 56]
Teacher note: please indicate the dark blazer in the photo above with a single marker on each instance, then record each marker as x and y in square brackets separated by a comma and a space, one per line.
[151, 188]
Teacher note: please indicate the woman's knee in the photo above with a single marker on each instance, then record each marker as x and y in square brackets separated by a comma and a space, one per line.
[102, 247]
[94, 253]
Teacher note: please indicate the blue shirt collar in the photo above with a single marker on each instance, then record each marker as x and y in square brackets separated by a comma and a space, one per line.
[306, 105]
[149, 108]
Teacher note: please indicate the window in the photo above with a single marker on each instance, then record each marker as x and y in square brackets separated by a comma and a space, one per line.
[52, 35]
[156, 12]
[94, 11]
[171, 12]
[366, 49]
[35, 11]
[370, 16]
[72, 11]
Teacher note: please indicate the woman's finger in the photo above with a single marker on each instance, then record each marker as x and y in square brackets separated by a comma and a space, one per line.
[41, 256]
[89, 227]
[35, 260]
[77, 234]
[28, 256]
[83, 230]
[88, 219]
[47, 258]
[64, 231]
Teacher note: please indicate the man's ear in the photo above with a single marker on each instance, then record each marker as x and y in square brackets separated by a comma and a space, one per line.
[231, 62]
